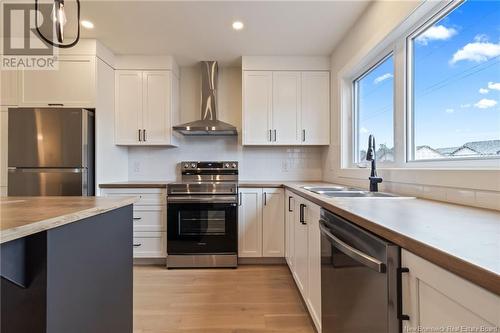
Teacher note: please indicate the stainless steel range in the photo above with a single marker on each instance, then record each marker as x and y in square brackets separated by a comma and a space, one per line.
[202, 221]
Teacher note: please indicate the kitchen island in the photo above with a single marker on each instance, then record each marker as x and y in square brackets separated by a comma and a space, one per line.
[66, 264]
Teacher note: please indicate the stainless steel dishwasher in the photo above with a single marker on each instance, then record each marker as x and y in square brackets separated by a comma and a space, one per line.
[360, 279]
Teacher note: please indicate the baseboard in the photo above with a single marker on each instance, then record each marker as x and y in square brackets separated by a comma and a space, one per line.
[261, 261]
[150, 261]
[241, 261]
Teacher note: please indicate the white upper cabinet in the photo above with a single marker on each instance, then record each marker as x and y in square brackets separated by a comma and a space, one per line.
[315, 108]
[128, 107]
[8, 87]
[286, 101]
[157, 102]
[257, 103]
[286, 108]
[145, 107]
[72, 84]
[273, 223]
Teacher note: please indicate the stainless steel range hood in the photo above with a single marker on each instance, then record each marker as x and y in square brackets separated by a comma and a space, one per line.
[209, 124]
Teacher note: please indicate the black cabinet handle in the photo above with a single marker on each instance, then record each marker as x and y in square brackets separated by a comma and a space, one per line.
[55, 104]
[137, 218]
[270, 135]
[144, 135]
[137, 244]
[399, 282]
[139, 135]
[301, 219]
[265, 199]
[290, 204]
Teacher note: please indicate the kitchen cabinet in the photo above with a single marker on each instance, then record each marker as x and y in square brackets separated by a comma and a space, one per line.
[273, 223]
[261, 223]
[434, 297]
[304, 248]
[289, 226]
[315, 108]
[145, 107]
[149, 218]
[250, 223]
[4, 125]
[72, 84]
[286, 107]
[257, 106]
[9, 87]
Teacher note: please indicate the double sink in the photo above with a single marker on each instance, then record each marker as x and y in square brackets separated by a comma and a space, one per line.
[347, 192]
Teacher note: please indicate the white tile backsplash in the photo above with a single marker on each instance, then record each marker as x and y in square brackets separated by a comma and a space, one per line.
[463, 197]
[489, 200]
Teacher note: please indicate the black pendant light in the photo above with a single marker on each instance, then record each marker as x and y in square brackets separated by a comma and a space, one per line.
[59, 19]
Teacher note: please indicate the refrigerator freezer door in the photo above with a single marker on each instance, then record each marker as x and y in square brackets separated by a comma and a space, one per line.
[47, 138]
[47, 182]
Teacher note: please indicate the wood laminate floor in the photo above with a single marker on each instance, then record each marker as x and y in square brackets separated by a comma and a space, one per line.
[250, 299]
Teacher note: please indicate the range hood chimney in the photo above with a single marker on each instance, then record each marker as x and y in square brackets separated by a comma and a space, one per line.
[209, 124]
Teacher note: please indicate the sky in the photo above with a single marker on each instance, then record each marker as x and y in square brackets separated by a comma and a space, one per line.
[456, 82]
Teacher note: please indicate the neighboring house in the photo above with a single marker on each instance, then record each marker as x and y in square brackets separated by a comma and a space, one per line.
[427, 153]
[473, 148]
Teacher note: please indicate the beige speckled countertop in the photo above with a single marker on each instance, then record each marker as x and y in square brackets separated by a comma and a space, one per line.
[23, 216]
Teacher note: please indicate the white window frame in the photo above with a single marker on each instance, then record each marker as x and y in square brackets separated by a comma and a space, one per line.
[397, 43]
[364, 71]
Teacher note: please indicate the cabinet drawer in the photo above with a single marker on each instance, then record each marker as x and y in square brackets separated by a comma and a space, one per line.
[148, 198]
[150, 244]
[149, 218]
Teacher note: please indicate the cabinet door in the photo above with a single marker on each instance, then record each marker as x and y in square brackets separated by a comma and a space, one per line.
[150, 245]
[128, 107]
[8, 87]
[4, 115]
[314, 263]
[257, 103]
[286, 107]
[289, 226]
[315, 110]
[273, 223]
[157, 102]
[434, 297]
[71, 84]
[250, 223]
[149, 218]
[301, 248]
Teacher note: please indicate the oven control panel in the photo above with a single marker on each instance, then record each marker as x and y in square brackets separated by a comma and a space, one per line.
[192, 165]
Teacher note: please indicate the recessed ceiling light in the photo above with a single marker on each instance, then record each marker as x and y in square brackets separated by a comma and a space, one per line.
[238, 25]
[87, 24]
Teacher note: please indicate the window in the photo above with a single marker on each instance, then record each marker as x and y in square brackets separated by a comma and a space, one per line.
[454, 84]
[374, 111]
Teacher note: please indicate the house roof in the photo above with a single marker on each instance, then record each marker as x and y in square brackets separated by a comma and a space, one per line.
[490, 147]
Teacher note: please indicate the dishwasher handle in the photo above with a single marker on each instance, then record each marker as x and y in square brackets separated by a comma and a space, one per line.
[355, 254]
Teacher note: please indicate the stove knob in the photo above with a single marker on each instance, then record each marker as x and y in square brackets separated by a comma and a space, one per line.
[193, 165]
[234, 165]
[186, 165]
[226, 165]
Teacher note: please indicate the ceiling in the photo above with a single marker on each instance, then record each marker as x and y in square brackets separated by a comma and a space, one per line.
[201, 30]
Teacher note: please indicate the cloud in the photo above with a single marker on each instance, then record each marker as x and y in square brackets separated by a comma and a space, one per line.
[436, 32]
[485, 103]
[478, 51]
[449, 110]
[465, 106]
[383, 78]
[363, 130]
[494, 86]
[483, 91]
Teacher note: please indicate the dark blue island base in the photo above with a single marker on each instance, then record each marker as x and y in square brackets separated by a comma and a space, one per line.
[74, 278]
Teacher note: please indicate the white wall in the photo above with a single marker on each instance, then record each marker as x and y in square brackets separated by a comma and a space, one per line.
[479, 188]
[256, 163]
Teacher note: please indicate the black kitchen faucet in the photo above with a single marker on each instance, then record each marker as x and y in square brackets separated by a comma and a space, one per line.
[370, 156]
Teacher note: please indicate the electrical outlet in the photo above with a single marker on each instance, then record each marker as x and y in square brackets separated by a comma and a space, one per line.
[137, 166]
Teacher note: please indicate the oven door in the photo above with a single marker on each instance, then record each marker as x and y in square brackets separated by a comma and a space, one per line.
[202, 228]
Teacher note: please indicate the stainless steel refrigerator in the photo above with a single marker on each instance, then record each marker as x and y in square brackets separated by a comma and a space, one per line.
[51, 152]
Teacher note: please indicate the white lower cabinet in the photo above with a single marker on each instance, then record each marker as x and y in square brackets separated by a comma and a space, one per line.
[150, 220]
[436, 298]
[304, 252]
[261, 223]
